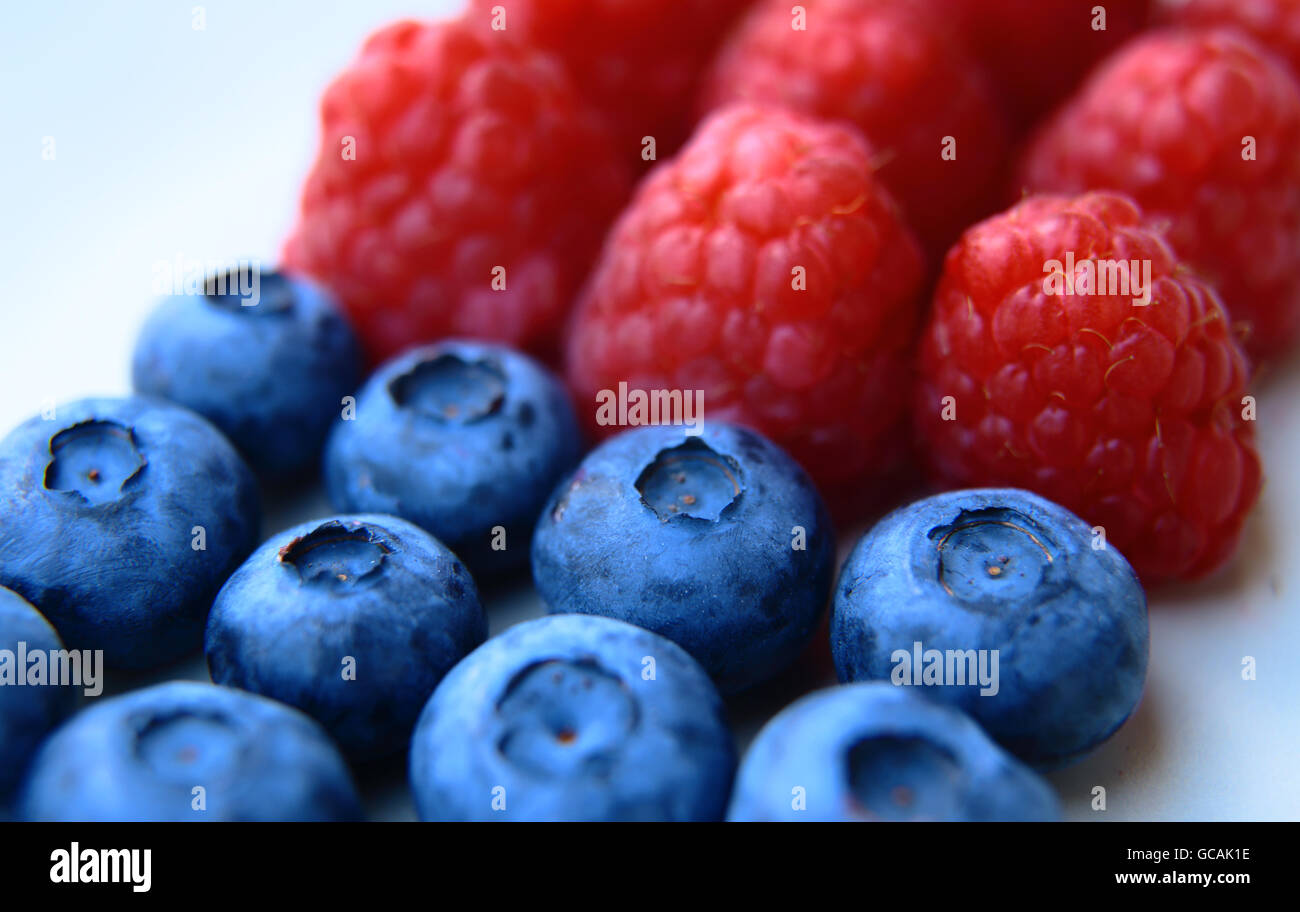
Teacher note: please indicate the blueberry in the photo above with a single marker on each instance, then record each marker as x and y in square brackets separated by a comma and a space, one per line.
[28, 711]
[1004, 581]
[573, 718]
[717, 541]
[353, 620]
[269, 369]
[121, 520]
[463, 438]
[189, 751]
[873, 751]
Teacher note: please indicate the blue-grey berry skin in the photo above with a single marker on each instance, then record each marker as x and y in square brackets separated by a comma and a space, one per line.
[142, 756]
[353, 620]
[876, 752]
[28, 712]
[271, 375]
[573, 718]
[718, 542]
[465, 439]
[119, 520]
[1009, 572]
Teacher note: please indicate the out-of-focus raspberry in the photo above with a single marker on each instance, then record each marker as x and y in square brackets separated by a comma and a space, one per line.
[768, 267]
[892, 69]
[1203, 130]
[461, 188]
[1130, 415]
[1273, 23]
[638, 62]
[1038, 51]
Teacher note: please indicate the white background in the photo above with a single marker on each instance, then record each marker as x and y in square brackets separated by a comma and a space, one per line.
[174, 142]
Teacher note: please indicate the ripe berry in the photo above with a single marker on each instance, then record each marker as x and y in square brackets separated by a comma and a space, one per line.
[371, 595]
[1201, 128]
[895, 71]
[461, 188]
[718, 542]
[878, 752]
[766, 266]
[121, 520]
[573, 718]
[144, 756]
[267, 362]
[1040, 636]
[1132, 416]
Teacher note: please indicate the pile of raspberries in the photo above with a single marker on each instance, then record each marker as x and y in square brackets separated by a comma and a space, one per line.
[947, 242]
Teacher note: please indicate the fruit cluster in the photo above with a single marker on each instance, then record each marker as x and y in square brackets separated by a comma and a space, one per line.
[478, 286]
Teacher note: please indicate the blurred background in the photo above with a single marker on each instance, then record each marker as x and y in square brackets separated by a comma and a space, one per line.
[170, 142]
[134, 137]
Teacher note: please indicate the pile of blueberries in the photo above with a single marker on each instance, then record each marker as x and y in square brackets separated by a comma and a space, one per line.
[677, 567]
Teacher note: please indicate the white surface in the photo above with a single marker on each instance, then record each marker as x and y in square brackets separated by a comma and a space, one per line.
[172, 142]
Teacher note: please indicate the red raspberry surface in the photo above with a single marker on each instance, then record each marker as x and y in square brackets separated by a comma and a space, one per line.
[639, 62]
[694, 290]
[1039, 50]
[1273, 23]
[470, 154]
[893, 70]
[1164, 121]
[1131, 416]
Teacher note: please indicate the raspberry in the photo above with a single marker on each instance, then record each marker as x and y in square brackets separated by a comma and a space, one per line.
[1131, 416]
[766, 266]
[894, 71]
[638, 62]
[469, 155]
[1275, 24]
[1201, 128]
[1039, 50]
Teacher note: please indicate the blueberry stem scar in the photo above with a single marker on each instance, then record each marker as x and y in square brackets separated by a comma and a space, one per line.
[992, 570]
[335, 554]
[713, 482]
[93, 459]
[232, 290]
[451, 388]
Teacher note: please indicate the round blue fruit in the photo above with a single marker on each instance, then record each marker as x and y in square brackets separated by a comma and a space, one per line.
[353, 620]
[875, 752]
[29, 710]
[717, 541]
[465, 439]
[122, 518]
[573, 718]
[264, 356]
[186, 751]
[1004, 605]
